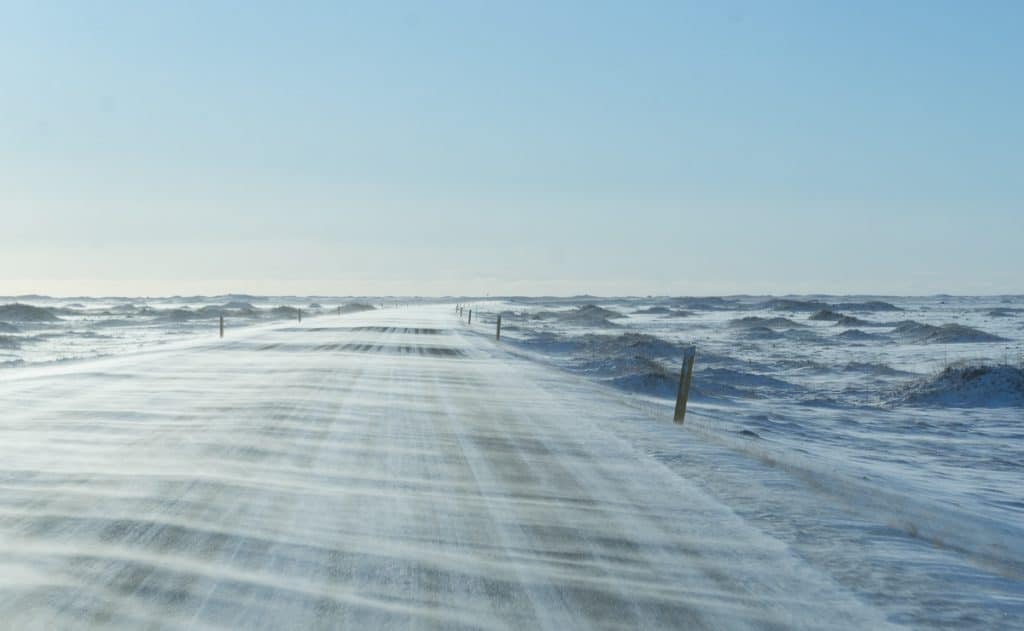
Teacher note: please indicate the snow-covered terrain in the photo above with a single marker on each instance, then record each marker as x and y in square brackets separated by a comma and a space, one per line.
[845, 463]
[38, 329]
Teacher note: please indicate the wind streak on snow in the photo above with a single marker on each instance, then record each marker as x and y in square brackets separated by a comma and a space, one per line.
[284, 481]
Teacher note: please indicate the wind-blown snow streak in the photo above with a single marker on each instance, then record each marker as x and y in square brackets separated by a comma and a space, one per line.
[370, 471]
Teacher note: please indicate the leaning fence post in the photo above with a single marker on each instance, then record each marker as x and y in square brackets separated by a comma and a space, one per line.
[470, 320]
[684, 384]
[497, 334]
[222, 326]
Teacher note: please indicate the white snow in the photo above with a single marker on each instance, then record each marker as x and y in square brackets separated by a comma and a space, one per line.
[399, 468]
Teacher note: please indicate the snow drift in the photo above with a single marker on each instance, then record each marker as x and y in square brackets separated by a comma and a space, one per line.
[919, 333]
[586, 315]
[771, 323]
[966, 385]
[18, 312]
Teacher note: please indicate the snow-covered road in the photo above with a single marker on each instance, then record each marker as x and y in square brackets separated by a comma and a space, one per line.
[391, 469]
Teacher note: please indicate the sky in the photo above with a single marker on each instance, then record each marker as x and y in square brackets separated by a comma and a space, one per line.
[523, 148]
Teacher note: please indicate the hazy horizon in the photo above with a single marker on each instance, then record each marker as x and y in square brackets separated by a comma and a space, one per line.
[484, 297]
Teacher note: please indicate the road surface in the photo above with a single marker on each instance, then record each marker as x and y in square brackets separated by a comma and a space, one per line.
[394, 469]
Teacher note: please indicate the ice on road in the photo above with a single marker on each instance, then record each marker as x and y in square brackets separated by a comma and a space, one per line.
[392, 469]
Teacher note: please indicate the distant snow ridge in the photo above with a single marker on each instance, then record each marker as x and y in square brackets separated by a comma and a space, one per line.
[852, 321]
[826, 315]
[874, 368]
[751, 322]
[870, 305]
[966, 385]
[18, 312]
[1005, 312]
[240, 305]
[704, 303]
[356, 307]
[919, 333]
[586, 315]
[664, 311]
[856, 335]
[787, 304]
[841, 319]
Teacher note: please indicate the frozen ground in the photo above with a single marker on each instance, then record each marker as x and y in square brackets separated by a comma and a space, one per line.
[398, 467]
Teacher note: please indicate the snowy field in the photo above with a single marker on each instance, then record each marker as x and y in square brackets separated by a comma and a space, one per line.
[846, 463]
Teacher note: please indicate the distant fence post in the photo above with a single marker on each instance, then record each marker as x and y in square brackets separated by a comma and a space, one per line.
[470, 320]
[300, 316]
[497, 334]
[684, 384]
[222, 326]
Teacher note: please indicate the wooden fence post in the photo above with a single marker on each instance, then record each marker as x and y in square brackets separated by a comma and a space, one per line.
[470, 320]
[497, 334]
[684, 384]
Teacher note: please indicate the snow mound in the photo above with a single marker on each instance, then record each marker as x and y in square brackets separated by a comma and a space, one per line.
[704, 304]
[804, 336]
[871, 368]
[649, 378]
[716, 383]
[628, 345]
[356, 307]
[966, 385]
[586, 315]
[870, 305]
[665, 312]
[634, 362]
[920, 333]
[856, 335]
[18, 312]
[750, 322]
[851, 321]
[785, 304]
[644, 364]
[130, 308]
[1005, 312]
[239, 305]
[826, 315]
[760, 333]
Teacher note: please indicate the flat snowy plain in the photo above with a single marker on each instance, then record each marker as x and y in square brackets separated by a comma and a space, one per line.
[398, 467]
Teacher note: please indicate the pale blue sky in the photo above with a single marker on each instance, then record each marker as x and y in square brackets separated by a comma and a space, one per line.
[518, 147]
